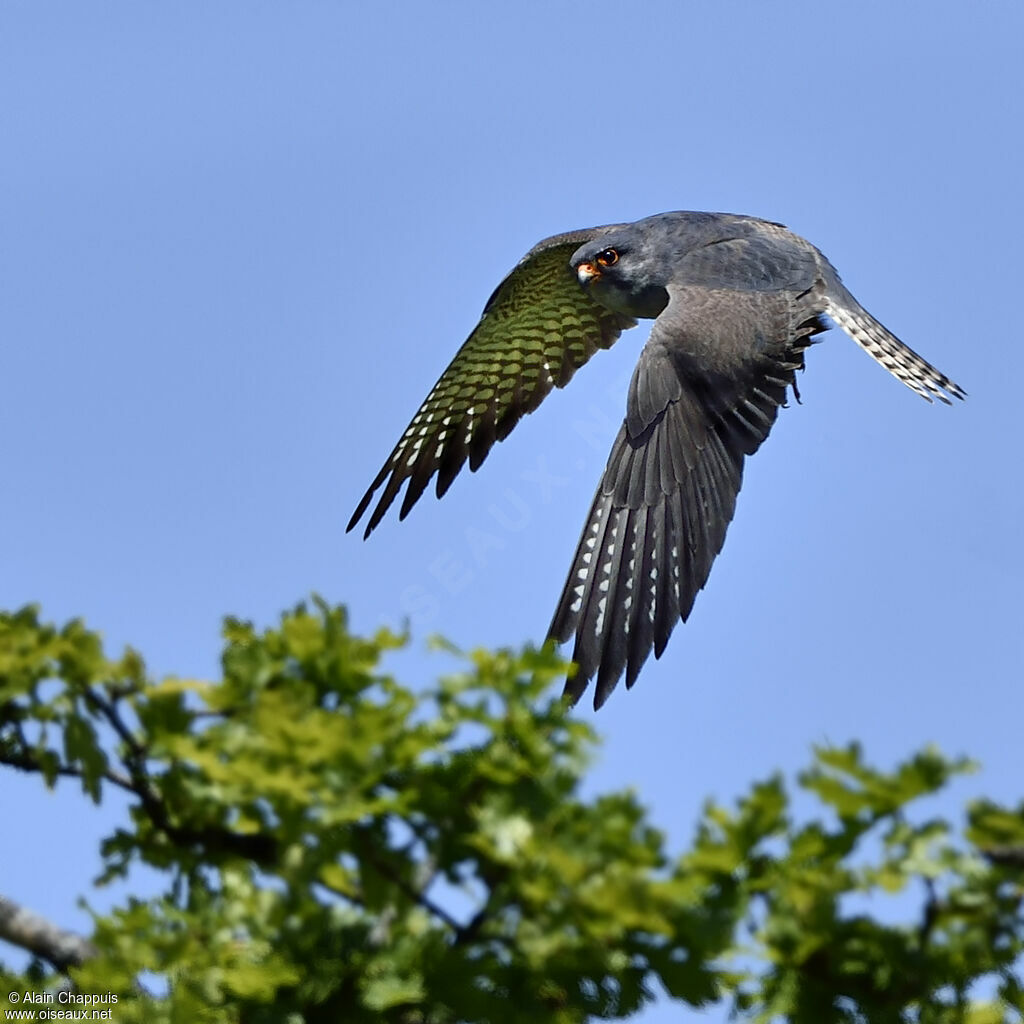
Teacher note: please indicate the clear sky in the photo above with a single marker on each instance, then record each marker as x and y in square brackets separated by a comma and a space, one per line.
[239, 242]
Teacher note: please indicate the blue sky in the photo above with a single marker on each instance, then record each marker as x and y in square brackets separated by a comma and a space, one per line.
[240, 242]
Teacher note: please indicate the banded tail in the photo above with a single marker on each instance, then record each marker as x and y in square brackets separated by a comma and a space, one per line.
[884, 347]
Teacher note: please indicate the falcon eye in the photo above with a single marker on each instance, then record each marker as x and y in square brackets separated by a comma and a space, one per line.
[608, 258]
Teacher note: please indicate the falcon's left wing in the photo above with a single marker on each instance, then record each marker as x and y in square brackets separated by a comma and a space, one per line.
[536, 330]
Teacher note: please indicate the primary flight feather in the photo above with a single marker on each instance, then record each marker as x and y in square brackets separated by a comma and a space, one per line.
[735, 302]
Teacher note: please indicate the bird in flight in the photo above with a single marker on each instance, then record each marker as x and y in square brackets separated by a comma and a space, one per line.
[735, 302]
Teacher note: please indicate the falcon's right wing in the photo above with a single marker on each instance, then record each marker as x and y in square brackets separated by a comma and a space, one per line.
[704, 395]
[536, 330]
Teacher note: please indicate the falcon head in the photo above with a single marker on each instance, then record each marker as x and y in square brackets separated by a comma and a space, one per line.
[618, 276]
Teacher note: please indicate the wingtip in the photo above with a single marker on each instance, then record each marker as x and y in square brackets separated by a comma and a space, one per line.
[354, 521]
[364, 504]
[375, 518]
[575, 685]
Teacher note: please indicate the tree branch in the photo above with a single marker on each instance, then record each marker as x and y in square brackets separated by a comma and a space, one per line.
[42, 938]
[410, 891]
[1006, 856]
[108, 709]
[253, 846]
[24, 761]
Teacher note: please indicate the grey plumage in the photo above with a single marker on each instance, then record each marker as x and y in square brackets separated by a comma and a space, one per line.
[736, 301]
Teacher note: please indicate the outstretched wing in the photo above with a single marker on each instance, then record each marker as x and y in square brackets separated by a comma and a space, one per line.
[536, 330]
[704, 395]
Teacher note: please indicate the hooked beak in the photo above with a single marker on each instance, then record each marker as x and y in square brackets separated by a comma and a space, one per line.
[586, 272]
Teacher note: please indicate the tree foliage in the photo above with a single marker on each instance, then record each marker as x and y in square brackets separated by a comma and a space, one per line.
[338, 847]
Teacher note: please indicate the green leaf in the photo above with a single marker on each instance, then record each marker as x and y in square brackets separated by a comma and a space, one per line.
[81, 748]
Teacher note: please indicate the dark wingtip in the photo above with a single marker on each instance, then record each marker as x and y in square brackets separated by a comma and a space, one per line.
[356, 516]
[375, 518]
[608, 676]
[633, 667]
[575, 686]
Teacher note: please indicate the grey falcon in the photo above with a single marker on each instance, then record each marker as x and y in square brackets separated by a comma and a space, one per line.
[735, 302]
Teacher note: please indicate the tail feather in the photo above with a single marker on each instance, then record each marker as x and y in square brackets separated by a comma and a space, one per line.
[883, 346]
